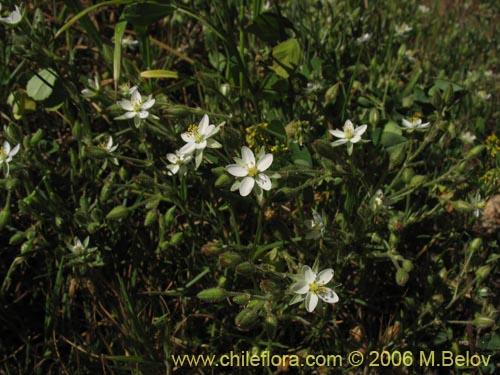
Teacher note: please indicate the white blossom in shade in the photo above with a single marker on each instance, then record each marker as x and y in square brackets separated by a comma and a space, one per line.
[178, 163]
[423, 9]
[198, 137]
[316, 226]
[109, 146]
[349, 135]
[93, 88]
[251, 172]
[6, 155]
[137, 107]
[313, 286]
[414, 124]
[78, 247]
[467, 137]
[13, 18]
[402, 29]
[129, 42]
[364, 38]
[483, 95]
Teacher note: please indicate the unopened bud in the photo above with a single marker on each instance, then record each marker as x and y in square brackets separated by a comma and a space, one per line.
[212, 295]
[119, 212]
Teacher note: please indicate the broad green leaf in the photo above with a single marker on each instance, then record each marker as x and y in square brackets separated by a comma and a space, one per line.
[159, 74]
[269, 27]
[392, 135]
[286, 57]
[300, 156]
[41, 85]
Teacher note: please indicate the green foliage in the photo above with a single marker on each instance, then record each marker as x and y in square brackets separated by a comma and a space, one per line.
[119, 249]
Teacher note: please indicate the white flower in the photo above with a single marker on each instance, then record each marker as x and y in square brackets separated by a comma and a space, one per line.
[364, 38]
[109, 147]
[6, 155]
[313, 285]
[402, 29]
[410, 55]
[197, 138]
[483, 95]
[136, 107]
[128, 42]
[467, 137]
[79, 248]
[423, 9]
[350, 135]
[414, 124]
[93, 89]
[13, 18]
[316, 226]
[126, 90]
[251, 171]
[178, 162]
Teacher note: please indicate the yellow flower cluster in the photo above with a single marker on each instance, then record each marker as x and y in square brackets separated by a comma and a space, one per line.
[256, 135]
[278, 148]
[492, 145]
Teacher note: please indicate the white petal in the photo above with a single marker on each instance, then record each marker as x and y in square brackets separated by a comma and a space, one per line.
[212, 143]
[329, 296]
[237, 170]
[174, 168]
[407, 124]
[143, 114]
[264, 162]
[263, 181]
[308, 274]
[360, 130]
[148, 104]
[246, 186]
[136, 97]
[201, 145]
[188, 137]
[325, 276]
[130, 114]
[423, 126]
[300, 287]
[202, 126]
[311, 301]
[355, 139]
[337, 133]
[6, 147]
[247, 156]
[172, 158]
[126, 105]
[188, 148]
[339, 142]
[236, 185]
[207, 132]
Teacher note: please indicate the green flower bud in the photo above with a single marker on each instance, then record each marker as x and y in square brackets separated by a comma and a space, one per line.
[483, 271]
[407, 265]
[246, 319]
[150, 217]
[402, 277]
[119, 212]
[332, 93]
[4, 217]
[245, 268]
[230, 258]
[17, 238]
[408, 174]
[242, 299]
[271, 324]
[169, 216]
[175, 239]
[397, 156]
[474, 151]
[374, 116]
[212, 295]
[77, 131]
[223, 180]
[417, 180]
[482, 321]
[475, 244]
[211, 248]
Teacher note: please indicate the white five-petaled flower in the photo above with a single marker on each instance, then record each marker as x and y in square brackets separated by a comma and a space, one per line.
[316, 226]
[198, 137]
[402, 29]
[13, 18]
[313, 285]
[129, 42]
[467, 137]
[178, 162]
[364, 38]
[109, 147]
[136, 107]
[6, 155]
[93, 88]
[78, 247]
[349, 135]
[414, 124]
[251, 172]
[482, 94]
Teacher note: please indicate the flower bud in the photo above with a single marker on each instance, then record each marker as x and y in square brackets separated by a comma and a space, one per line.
[476, 150]
[332, 93]
[230, 258]
[211, 248]
[36, 137]
[402, 277]
[271, 324]
[175, 239]
[17, 238]
[223, 180]
[242, 299]
[483, 271]
[374, 116]
[212, 295]
[475, 244]
[407, 265]
[246, 319]
[408, 174]
[245, 268]
[417, 180]
[482, 321]
[397, 156]
[119, 212]
[169, 216]
[4, 217]
[150, 217]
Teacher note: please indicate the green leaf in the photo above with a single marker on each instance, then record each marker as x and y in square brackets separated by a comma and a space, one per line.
[286, 57]
[489, 342]
[269, 27]
[41, 85]
[144, 14]
[117, 53]
[392, 135]
[300, 156]
[276, 129]
[159, 74]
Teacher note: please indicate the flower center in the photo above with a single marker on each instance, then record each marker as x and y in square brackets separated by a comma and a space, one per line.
[349, 131]
[252, 171]
[3, 154]
[193, 131]
[317, 289]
